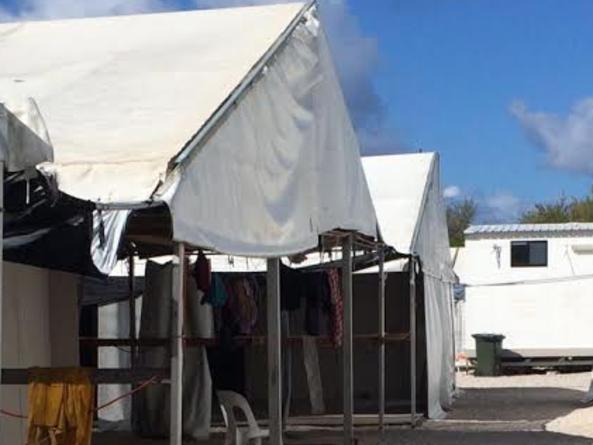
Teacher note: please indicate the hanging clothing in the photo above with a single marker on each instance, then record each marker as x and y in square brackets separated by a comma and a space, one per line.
[337, 311]
[217, 294]
[202, 272]
[242, 305]
[151, 406]
[317, 302]
[60, 413]
[291, 288]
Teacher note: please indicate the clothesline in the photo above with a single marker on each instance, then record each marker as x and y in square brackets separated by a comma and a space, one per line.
[140, 387]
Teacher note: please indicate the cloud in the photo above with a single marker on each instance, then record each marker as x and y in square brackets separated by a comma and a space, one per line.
[356, 56]
[501, 207]
[451, 192]
[567, 141]
[54, 9]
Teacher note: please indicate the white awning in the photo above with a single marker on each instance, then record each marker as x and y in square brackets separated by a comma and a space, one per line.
[121, 97]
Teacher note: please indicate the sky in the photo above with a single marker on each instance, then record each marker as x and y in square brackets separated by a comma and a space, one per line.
[503, 90]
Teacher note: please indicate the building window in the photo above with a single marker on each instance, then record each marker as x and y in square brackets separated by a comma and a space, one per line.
[529, 253]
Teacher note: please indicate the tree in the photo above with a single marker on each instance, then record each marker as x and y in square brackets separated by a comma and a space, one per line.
[561, 211]
[460, 215]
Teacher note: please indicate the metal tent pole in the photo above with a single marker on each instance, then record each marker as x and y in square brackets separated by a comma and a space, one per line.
[413, 341]
[177, 316]
[132, 308]
[274, 351]
[1, 278]
[348, 379]
[382, 341]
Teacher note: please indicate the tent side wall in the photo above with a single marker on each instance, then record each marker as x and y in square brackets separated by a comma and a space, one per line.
[40, 325]
[432, 246]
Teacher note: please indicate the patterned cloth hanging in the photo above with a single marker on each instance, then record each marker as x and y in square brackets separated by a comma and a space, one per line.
[337, 310]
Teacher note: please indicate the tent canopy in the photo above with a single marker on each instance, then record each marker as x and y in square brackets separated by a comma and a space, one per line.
[406, 192]
[232, 118]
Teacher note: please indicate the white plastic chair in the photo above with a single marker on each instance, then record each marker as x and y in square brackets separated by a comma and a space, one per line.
[230, 400]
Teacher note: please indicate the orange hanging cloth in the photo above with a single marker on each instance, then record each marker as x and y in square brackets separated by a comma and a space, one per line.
[60, 406]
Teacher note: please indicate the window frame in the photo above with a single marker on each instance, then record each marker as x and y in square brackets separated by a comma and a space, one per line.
[528, 243]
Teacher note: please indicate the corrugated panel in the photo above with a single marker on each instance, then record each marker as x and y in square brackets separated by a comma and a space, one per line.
[528, 228]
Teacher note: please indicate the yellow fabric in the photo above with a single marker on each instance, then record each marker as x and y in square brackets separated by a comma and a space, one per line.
[60, 407]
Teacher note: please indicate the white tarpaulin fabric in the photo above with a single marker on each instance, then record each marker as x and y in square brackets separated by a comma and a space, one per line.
[285, 163]
[407, 195]
[122, 96]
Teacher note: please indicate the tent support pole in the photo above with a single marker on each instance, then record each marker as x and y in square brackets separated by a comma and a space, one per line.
[132, 307]
[177, 316]
[382, 343]
[413, 341]
[274, 351]
[348, 378]
[1, 281]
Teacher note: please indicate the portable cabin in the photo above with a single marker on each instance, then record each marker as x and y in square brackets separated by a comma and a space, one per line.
[531, 283]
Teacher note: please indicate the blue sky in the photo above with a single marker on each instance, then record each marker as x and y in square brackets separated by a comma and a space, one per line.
[450, 71]
[502, 89]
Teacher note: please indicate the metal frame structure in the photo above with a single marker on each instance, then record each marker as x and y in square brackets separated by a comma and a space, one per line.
[274, 344]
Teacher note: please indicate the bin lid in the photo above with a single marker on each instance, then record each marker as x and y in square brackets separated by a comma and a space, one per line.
[489, 337]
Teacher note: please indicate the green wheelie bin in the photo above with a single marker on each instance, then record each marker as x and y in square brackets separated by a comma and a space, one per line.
[488, 354]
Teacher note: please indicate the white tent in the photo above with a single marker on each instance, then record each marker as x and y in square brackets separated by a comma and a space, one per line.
[407, 195]
[233, 119]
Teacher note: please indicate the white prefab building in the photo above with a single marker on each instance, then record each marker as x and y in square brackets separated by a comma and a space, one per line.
[533, 283]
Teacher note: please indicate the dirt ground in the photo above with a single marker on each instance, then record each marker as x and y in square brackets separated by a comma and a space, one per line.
[511, 410]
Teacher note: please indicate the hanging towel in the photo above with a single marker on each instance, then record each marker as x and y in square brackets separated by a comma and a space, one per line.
[60, 406]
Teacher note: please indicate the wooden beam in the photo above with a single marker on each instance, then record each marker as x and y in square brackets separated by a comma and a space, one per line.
[20, 376]
[243, 340]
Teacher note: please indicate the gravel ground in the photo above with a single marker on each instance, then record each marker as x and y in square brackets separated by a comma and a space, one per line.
[512, 410]
[522, 409]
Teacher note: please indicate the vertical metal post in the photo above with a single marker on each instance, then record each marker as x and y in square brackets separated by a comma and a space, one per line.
[274, 352]
[177, 316]
[348, 375]
[382, 340]
[1, 279]
[412, 341]
[132, 308]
